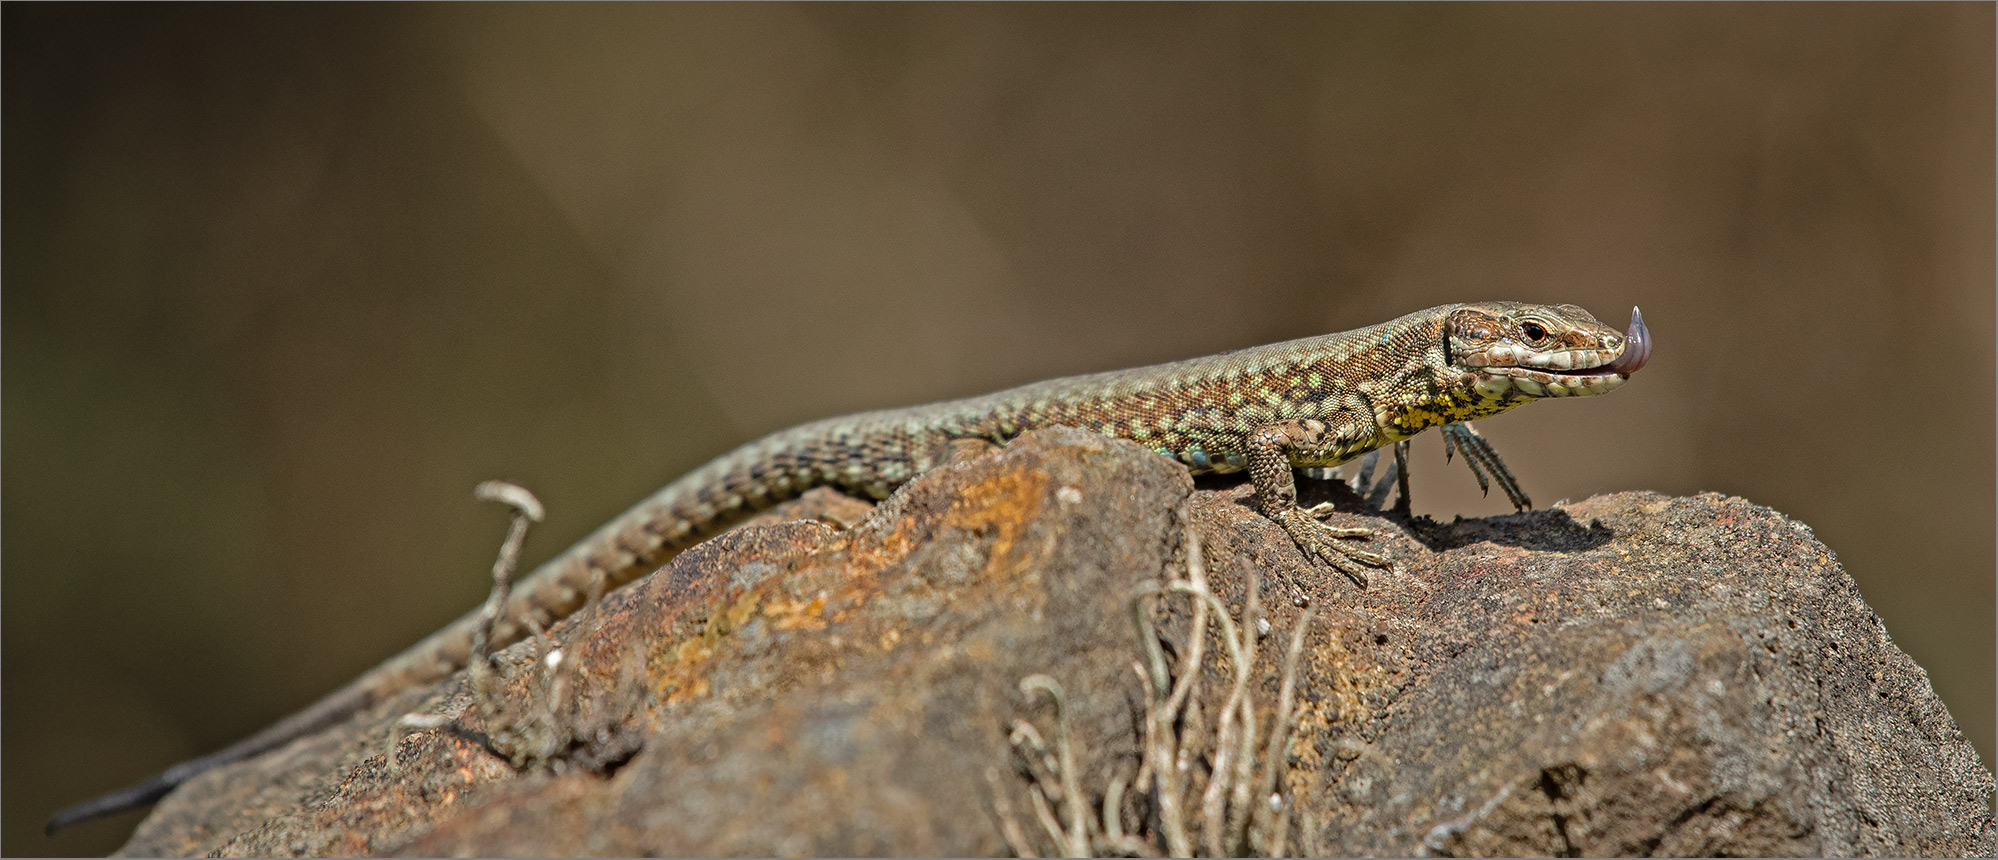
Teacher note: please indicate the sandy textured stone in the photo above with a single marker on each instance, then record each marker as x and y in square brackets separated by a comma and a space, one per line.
[1634, 674]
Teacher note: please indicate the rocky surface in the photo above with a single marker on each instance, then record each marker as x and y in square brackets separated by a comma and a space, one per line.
[1633, 674]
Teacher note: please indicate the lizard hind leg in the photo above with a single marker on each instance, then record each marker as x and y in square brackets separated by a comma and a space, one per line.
[1482, 458]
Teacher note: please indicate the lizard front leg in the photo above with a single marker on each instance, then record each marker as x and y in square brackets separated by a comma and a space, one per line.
[1269, 450]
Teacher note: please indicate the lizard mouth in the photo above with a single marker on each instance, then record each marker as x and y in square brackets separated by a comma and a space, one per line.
[1591, 362]
[1598, 378]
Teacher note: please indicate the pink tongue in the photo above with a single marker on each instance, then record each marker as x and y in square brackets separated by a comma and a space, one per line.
[1636, 347]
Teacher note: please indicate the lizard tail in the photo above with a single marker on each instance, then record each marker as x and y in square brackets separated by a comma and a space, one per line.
[871, 453]
[358, 695]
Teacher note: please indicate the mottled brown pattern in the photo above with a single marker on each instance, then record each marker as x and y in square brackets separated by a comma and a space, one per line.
[1313, 402]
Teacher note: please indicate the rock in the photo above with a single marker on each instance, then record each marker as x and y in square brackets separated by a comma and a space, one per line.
[1639, 674]
[1632, 674]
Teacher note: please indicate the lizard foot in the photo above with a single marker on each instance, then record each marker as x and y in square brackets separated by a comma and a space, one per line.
[1326, 544]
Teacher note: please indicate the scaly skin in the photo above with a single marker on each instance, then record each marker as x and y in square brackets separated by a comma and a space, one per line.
[1311, 403]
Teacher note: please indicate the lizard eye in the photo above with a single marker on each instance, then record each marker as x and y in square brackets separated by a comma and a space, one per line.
[1534, 332]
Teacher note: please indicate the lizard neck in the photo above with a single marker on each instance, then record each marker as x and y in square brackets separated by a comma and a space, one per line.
[1412, 385]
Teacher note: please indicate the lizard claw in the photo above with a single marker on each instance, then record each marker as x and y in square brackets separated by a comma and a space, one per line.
[1318, 510]
[1325, 543]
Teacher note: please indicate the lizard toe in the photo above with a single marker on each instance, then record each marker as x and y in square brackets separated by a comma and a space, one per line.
[1328, 545]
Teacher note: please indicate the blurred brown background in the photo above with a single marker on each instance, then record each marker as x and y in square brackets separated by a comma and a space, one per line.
[283, 283]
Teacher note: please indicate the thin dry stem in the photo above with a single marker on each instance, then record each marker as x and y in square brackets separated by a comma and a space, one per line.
[1196, 578]
[1071, 782]
[1113, 809]
[1277, 758]
[1046, 815]
[1009, 825]
[1145, 760]
[1168, 758]
[1211, 805]
[1246, 766]
[1243, 775]
[527, 511]
[1235, 734]
[1141, 618]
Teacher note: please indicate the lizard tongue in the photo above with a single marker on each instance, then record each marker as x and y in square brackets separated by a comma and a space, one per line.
[1636, 347]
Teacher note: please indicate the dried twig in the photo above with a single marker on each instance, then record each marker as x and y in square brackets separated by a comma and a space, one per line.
[1241, 775]
[1277, 757]
[1077, 842]
[527, 511]
[1245, 767]
[1009, 825]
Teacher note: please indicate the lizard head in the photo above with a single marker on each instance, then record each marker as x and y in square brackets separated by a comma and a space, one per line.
[1510, 351]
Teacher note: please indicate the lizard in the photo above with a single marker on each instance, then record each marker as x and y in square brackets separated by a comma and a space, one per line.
[1312, 403]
